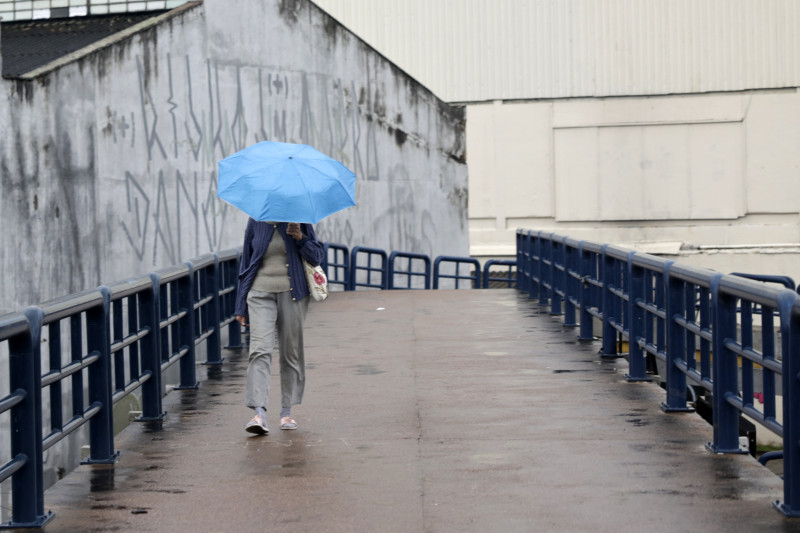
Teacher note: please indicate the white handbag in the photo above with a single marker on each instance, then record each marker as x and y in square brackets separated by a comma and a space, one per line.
[317, 281]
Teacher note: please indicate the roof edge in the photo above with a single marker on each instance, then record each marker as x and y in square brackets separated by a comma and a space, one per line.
[106, 42]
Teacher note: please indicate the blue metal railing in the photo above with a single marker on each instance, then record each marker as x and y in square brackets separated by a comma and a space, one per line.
[409, 273]
[508, 279]
[475, 276]
[127, 334]
[122, 337]
[337, 268]
[698, 322]
[369, 269]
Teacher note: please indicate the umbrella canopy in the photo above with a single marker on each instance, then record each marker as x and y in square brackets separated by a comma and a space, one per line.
[285, 182]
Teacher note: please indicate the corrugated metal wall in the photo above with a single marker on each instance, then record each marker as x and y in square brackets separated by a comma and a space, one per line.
[475, 50]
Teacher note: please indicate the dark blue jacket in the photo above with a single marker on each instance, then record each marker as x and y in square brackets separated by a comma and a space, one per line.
[257, 236]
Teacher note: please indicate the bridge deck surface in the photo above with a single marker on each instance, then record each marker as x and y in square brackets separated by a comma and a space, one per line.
[436, 411]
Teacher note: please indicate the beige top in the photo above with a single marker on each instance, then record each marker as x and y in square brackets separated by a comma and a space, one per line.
[273, 274]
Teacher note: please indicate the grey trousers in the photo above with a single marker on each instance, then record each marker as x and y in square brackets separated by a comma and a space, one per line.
[271, 313]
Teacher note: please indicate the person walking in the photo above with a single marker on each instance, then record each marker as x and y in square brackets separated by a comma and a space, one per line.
[272, 298]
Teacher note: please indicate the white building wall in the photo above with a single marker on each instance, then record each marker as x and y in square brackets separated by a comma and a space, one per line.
[477, 50]
[712, 179]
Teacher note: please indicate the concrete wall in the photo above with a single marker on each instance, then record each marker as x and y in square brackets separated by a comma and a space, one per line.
[108, 161]
[711, 180]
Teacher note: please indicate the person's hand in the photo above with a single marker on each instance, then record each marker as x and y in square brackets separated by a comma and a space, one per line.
[242, 320]
[294, 231]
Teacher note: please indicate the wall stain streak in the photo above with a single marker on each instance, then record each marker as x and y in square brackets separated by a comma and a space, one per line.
[151, 134]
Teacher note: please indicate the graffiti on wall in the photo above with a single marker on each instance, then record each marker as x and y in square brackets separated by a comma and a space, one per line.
[173, 197]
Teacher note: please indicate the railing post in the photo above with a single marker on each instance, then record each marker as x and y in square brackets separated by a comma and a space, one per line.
[726, 416]
[569, 264]
[553, 277]
[536, 266]
[234, 328]
[586, 332]
[637, 368]
[609, 346]
[101, 425]
[676, 342]
[151, 356]
[545, 265]
[187, 329]
[27, 484]
[790, 353]
[213, 344]
[522, 265]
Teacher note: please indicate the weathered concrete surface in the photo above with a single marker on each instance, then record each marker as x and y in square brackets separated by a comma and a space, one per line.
[108, 163]
[428, 411]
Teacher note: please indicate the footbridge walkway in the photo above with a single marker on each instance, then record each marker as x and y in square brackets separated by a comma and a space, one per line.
[425, 410]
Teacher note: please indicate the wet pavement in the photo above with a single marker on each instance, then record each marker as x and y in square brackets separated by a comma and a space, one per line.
[426, 411]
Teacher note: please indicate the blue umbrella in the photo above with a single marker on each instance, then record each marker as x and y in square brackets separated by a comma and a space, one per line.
[285, 182]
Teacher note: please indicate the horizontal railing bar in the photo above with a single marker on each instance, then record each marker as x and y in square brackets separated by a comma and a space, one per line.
[593, 247]
[751, 291]
[14, 465]
[694, 328]
[172, 274]
[172, 318]
[75, 423]
[131, 386]
[754, 413]
[701, 277]
[203, 336]
[649, 262]
[228, 255]
[617, 326]
[754, 356]
[129, 287]
[617, 252]
[13, 325]
[12, 399]
[203, 301]
[652, 309]
[67, 306]
[130, 339]
[592, 281]
[619, 293]
[694, 375]
[76, 366]
[173, 358]
[202, 261]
